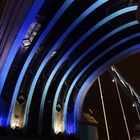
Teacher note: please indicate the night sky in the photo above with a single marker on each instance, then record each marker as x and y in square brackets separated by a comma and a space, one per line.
[129, 68]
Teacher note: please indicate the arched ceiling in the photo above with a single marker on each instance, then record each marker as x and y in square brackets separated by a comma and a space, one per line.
[58, 51]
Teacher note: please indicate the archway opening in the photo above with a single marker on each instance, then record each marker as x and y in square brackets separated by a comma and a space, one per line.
[129, 69]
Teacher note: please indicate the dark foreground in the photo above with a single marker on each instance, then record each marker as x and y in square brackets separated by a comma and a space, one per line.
[18, 135]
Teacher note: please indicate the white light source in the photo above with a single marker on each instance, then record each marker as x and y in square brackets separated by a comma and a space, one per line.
[133, 105]
[54, 52]
[113, 80]
[26, 42]
[59, 123]
[14, 125]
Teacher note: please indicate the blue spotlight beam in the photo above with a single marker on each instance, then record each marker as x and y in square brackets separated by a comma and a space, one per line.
[91, 79]
[94, 28]
[81, 17]
[60, 12]
[13, 51]
[82, 72]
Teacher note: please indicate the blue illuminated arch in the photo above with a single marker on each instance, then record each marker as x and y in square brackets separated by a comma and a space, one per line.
[16, 45]
[83, 15]
[94, 28]
[70, 128]
[91, 79]
[55, 46]
[62, 9]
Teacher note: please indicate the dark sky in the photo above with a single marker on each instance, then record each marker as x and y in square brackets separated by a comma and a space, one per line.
[129, 68]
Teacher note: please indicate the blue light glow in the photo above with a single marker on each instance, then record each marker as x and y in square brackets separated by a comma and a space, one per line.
[74, 24]
[70, 129]
[94, 28]
[3, 121]
[66, 120]
[32, 53]
[3, 104]
[91, 79]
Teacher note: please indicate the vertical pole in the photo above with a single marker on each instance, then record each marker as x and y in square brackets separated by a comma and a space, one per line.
[124, 117]
[103, 105]
[135, 104]
[138, 114]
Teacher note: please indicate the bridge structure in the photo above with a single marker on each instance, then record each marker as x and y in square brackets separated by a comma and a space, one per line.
[130, 92]
[52, 52]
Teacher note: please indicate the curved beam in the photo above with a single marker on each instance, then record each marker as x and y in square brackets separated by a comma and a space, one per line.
[16, 45]
[59, 13]
[94, 28]
[54, 47]
[84, 70]
[83, 56]
[91, 79]
[83, 15]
